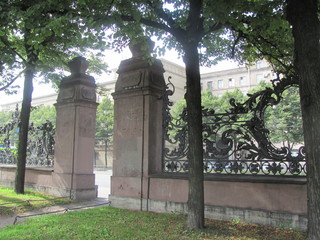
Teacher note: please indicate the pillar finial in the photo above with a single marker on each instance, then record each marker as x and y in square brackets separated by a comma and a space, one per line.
[78, 65]
[140, 48]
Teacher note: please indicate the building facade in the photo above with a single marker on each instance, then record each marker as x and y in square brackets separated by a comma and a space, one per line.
[243, 78]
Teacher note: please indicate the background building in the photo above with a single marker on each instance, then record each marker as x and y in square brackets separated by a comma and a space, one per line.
[243, 78]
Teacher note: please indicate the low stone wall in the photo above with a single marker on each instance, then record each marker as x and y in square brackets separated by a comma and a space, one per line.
[35, 178]
[271, 202]
[44, 180]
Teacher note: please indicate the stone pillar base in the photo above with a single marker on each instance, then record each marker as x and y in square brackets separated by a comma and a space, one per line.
[76, 186]
[78, 194]
[84, 194]
[267, 218]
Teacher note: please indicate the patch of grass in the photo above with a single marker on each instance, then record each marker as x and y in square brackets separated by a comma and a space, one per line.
[10, 202]
[118, 224]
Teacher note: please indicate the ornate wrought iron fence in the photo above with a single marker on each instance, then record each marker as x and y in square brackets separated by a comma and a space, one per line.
[40, 146]
[235, 142]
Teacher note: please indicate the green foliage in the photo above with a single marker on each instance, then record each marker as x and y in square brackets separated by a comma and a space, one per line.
[285, 120]
[5, 117]
[222, 104]
[242, 30]
[260, 30]
[260, 87]
[104, 120]
[118, 224]
[40, 114]
[9, 127]
[43, 35]
[211, 102]
[208, 100]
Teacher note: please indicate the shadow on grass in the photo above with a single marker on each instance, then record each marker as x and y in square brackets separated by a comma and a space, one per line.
[11, 202]
[242, 230]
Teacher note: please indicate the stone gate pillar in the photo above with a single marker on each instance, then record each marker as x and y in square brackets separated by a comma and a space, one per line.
[75, 131]
[137, 130]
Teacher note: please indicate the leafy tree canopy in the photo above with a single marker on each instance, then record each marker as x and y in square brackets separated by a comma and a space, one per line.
[228, 29]
[40, 114]
[45, 33]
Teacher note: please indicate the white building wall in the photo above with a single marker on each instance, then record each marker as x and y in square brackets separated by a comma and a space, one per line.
[244, 78]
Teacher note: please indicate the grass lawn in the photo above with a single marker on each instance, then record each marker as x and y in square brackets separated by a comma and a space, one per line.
[10, 202]
[111, 223]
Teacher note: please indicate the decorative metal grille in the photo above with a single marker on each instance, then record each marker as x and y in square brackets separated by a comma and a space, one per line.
[40, 146]
[236, 142]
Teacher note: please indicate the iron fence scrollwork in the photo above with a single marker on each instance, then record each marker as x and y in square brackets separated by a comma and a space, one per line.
[40, 146]
[235, 142]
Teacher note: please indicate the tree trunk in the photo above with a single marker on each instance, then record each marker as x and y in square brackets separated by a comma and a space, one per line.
[23, 130]
[303, 17]
[195, 218]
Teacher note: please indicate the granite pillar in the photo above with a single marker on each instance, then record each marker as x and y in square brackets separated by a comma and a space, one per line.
[137, 127]
[75, 133]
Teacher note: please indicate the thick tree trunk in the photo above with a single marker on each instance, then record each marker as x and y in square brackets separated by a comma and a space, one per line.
[23, 130]
[194, 120]
[304, 19]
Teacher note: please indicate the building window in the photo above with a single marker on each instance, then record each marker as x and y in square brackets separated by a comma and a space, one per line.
[259, 77]
[220, 83]
[210, 85]
[243, 81]
[231, 82]
[259, 64]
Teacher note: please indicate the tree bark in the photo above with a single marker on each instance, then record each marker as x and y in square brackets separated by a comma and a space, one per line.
[305, 27]
[195, 218]
[23, 129]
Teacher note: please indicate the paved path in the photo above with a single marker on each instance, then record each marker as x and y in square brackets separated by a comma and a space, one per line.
[103, 182]
[10, 220]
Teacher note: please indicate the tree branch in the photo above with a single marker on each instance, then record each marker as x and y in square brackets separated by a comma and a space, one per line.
[213, 28]
[7, 43]
[256, 44]
[162, 14]
[12, 81]
[235, 43]
[150, 23]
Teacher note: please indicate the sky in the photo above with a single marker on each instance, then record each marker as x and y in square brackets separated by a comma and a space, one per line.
[113, 60]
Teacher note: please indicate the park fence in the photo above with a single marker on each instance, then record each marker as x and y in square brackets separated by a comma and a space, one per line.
[236, 142]
[40, 146]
